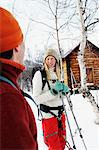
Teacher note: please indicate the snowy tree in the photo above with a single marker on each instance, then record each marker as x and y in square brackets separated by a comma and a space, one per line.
[86, 22]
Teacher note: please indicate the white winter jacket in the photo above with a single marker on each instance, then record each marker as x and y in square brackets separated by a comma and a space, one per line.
[45, 96]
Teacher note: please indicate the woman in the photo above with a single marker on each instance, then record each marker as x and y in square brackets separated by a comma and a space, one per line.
[49, 99]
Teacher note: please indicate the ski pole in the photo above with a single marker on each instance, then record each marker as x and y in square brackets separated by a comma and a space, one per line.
[69, 125]
[69, 102]
[62, 97]
[68, 98]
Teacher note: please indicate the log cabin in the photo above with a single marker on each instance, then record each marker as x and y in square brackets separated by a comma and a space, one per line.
[72, 70]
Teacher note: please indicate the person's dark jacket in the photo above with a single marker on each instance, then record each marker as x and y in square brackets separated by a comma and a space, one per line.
[17, 123]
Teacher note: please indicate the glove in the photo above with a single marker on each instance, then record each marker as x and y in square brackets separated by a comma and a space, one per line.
[57, 88]
[65, 89]
[53, 91]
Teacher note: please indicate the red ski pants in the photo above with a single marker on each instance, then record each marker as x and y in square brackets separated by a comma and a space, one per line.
[54, 136]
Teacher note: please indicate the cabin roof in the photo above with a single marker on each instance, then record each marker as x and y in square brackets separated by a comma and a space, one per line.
[69, 52]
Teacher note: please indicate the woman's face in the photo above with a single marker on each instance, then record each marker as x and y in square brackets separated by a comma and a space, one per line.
[50, 61]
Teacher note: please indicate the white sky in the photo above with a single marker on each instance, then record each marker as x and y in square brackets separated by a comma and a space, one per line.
[38, 36]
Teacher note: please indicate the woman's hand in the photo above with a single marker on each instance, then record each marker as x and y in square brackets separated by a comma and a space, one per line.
[59, 88]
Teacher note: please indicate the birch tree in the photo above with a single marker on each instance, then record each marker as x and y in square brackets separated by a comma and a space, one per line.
[84, 31]
[61, 18]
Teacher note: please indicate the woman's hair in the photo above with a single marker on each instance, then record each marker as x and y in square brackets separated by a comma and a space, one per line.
[7, 54]
[57, 70]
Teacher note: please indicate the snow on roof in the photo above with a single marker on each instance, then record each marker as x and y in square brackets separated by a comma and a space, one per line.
[69, 51]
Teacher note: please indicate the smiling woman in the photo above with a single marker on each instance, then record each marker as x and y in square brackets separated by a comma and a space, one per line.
[50, 61]
[50, 103]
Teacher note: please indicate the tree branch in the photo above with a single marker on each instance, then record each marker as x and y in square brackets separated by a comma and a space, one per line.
[92, 23]
[42, 23]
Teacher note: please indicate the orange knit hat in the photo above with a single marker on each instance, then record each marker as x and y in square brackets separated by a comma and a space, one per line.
[10, 32]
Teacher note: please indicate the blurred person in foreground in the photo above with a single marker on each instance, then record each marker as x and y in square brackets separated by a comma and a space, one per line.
[17, 123]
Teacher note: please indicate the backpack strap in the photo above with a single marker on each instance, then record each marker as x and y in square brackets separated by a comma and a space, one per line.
[44, 78]
[30, 97]
[48, 109]
[2, 78]
[43, 74]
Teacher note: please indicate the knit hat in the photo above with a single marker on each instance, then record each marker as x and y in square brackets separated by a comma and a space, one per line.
[10, 32]
[51, 52]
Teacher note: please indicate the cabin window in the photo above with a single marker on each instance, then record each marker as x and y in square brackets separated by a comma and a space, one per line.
[89, 72]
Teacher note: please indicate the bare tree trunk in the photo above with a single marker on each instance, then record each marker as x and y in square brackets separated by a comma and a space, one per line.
[58, 40]
[82, 47]
[86, 93]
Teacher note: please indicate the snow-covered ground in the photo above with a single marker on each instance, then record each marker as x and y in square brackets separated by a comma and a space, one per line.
[85, 118]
